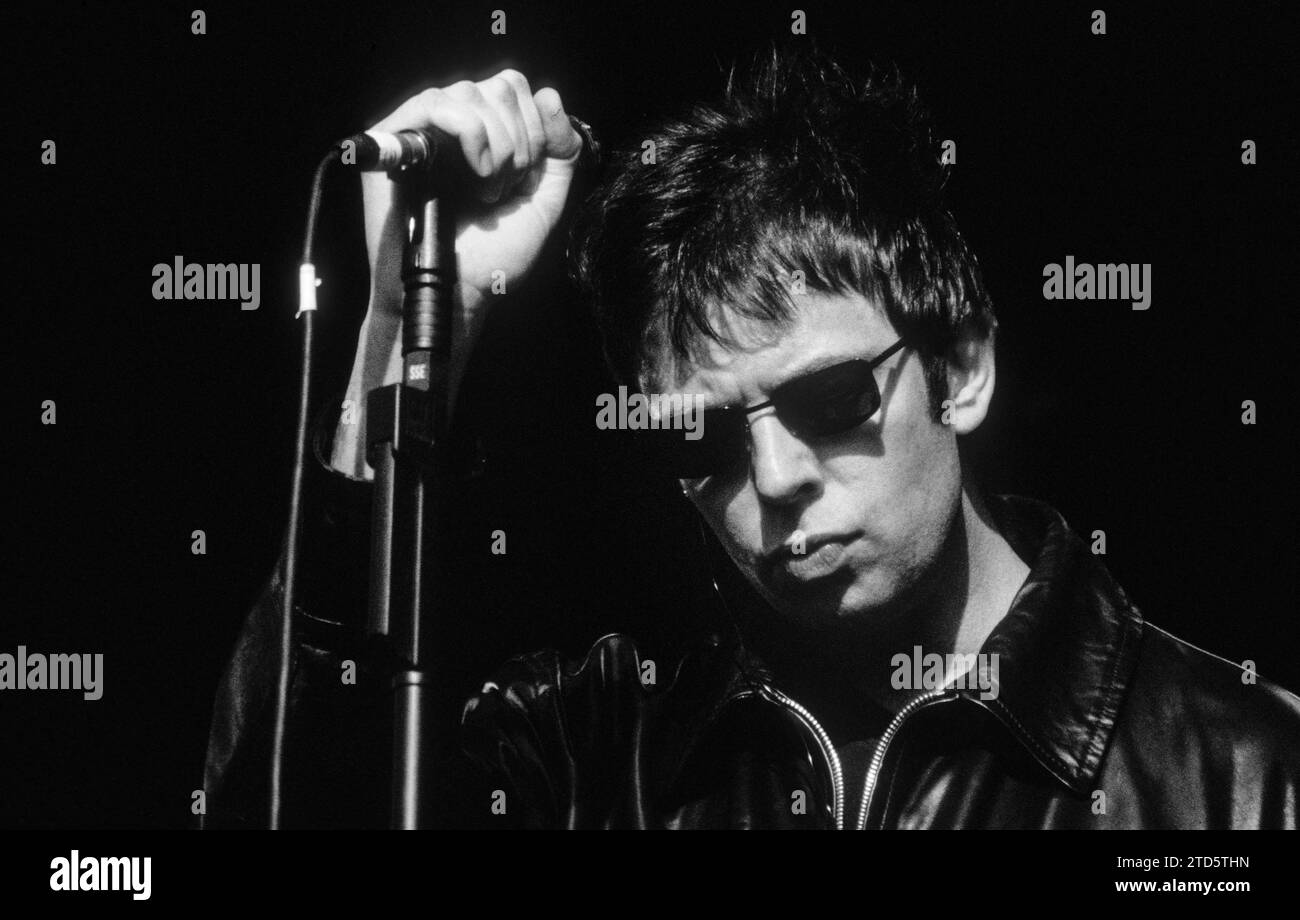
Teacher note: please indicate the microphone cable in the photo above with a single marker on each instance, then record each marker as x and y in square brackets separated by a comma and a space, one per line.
[306, 312]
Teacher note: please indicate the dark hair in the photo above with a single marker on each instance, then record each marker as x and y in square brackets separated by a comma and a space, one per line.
[797, 167]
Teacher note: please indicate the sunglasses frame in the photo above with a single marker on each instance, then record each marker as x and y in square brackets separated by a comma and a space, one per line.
[777, 400]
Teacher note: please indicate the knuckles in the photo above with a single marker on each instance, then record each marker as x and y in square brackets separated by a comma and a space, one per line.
[516, 80]
[465, 90]
[502, 90]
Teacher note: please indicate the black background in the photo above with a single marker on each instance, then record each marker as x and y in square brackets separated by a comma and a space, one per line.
[176, 416]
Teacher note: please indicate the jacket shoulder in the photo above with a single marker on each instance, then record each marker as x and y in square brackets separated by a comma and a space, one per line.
[1219, 695]
[1221, 741]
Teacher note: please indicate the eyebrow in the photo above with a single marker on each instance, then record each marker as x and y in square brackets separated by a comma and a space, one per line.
[822, 362]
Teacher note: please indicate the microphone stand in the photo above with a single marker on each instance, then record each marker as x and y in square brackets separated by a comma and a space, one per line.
[406, 441]
[406, 438]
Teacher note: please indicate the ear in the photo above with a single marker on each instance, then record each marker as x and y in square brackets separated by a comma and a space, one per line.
[971, 376]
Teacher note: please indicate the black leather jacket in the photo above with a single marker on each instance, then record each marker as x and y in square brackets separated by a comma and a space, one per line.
[1101, 720]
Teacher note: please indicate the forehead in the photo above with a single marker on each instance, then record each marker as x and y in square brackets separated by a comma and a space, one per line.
[758, 356]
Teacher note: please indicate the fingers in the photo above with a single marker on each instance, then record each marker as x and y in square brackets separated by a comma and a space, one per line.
[506, 132]
[500, 165]
[433, 108]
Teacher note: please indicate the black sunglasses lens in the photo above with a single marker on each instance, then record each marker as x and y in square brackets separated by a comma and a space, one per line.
[719, 447]
[829, 401]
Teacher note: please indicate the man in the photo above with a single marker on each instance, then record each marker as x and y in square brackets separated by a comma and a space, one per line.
[916, 653]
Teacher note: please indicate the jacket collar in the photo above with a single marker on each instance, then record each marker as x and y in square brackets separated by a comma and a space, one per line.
[1067, 646]
[1067, 649]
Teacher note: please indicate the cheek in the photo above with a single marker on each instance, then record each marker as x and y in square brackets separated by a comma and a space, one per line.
[739, 526]
[929, 464]
[907, 494]
[926, 494]
[734, 516]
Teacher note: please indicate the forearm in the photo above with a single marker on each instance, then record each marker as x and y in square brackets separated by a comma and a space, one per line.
[378, 362]
[521, 183]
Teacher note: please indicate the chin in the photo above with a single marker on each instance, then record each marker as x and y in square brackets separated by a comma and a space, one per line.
[862, 597]
[823, 604]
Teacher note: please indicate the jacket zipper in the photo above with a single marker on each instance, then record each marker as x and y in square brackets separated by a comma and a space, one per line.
[878, 758]
[823, 741]
[833, 757]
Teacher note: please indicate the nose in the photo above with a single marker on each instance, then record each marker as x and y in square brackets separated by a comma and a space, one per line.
[785, 468]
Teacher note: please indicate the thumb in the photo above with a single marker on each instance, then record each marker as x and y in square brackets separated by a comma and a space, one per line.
[547, 185]
[562, 141]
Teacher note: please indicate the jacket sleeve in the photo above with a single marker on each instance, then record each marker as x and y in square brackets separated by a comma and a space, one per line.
[333, 714]
[512, 743]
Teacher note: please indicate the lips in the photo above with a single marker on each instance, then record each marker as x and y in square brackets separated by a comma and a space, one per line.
[823, 556]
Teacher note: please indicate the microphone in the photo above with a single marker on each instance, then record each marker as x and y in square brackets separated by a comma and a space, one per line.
[432, 149]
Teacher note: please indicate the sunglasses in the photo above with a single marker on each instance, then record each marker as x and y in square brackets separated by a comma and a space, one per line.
[823, 403]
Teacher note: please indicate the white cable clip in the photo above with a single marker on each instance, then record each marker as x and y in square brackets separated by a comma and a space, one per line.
[307, 284]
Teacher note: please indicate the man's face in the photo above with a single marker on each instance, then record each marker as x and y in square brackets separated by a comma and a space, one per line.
[874, 504]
